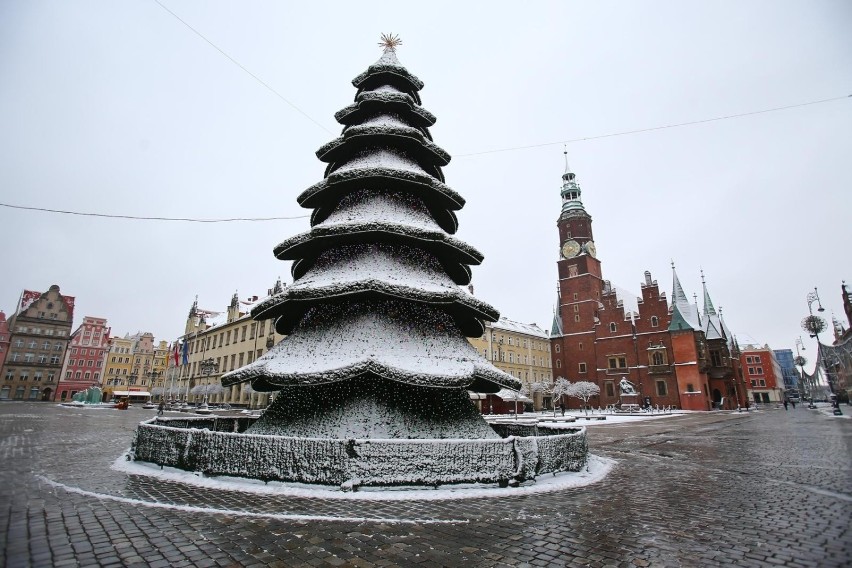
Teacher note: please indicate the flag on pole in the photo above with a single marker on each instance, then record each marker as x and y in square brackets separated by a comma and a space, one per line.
[185, 352]
[177, 360]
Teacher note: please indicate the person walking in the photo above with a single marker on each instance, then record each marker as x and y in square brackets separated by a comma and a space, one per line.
[160, 408]
[785, 404]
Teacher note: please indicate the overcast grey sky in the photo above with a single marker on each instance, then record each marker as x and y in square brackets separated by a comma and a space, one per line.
[119, 108]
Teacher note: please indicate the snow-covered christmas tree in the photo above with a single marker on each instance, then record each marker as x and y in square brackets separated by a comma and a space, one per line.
[377, 317]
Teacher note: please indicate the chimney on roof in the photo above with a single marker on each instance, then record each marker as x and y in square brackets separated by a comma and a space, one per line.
[647, 278]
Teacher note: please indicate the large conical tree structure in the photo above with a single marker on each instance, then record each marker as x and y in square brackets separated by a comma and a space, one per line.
[376, 318]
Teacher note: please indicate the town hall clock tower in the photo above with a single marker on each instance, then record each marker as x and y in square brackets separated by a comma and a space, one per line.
[580, 287]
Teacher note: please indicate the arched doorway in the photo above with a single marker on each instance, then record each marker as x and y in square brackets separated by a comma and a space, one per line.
[717, 399]
[46, 394]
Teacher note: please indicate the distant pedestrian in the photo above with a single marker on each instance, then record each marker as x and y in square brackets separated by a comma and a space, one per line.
[160, 408]
[785, 404]
[562, 408]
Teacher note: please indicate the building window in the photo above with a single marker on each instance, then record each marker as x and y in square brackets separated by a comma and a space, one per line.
[572, 271]
[558, 363]
[575, 295]
[613, 327]
[757, 358]
[610, 389]
[690, 387]
[10, 375]
[54, 360]
[657, 357]
[715, 358]
[557, 348]
[577, 317]
[582, 367]
[662, 389]
[617, 362]
[576, 308]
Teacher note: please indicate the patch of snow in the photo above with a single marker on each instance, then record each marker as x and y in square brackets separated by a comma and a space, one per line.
[402, 341]
[596, 470]
[381, 158]
[382, 207]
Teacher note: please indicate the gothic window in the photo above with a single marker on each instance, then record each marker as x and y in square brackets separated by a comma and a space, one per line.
[658, 358]
[558, 364]
[662, 389]
[655, 321]
[613, 328]
[558, 348]
[715, 358]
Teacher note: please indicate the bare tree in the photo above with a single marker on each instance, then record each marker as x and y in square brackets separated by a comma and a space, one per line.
[538, 387]
[557, 390]
[584, 390]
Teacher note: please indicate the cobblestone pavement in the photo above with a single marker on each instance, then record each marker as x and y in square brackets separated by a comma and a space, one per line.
[768, 488]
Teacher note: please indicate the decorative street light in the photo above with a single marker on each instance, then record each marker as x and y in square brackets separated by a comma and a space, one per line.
[814, 325]
[207, 367]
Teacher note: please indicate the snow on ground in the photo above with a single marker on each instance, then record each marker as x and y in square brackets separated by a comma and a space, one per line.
[596, 470]
[611, 418]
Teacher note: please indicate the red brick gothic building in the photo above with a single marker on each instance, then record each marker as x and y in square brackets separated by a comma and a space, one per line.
[672, 355]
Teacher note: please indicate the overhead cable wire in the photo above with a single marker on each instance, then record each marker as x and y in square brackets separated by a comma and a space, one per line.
[623, 133]
[651, 129]
[241, 66]
[143, 218]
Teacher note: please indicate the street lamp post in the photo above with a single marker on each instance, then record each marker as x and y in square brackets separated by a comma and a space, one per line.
[207, 367]
[814, 325]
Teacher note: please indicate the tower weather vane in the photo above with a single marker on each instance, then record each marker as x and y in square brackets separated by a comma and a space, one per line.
[390, 41]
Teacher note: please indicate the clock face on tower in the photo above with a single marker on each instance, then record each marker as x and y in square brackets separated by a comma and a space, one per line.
[591, 250]
[570, 249]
